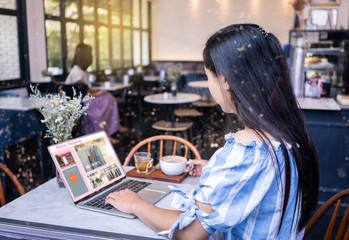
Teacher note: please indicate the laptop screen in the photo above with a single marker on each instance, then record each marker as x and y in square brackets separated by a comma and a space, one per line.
[87, 164]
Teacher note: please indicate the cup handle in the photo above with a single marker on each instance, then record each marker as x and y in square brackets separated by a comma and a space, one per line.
[191, 168]
[151, 164]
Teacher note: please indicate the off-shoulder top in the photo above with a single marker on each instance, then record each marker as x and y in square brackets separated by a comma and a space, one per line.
[244, 185]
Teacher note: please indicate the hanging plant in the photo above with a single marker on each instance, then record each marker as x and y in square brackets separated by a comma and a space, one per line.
[298, 5]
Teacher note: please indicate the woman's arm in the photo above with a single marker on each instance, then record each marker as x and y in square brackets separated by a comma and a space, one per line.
[195, 230]
[157, 218]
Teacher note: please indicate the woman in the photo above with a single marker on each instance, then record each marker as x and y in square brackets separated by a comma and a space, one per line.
[263, 184]
[103, 111]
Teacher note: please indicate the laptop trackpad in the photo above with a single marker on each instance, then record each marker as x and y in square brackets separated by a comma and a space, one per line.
[151, 196]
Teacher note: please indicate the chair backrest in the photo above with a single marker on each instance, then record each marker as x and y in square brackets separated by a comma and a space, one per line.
[137, 81]
[43, 87]
[177, 143]
[14, 180]
[195, 77]
[335, 200]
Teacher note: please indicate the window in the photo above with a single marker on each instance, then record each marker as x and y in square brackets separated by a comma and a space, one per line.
[14, 67]
[117, 30]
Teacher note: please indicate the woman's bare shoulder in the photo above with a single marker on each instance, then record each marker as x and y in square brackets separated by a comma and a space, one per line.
[247, 136]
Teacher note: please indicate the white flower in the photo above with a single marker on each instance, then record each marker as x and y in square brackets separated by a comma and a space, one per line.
[60, 112]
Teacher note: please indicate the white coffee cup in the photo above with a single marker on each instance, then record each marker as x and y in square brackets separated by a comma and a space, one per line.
[173, 165]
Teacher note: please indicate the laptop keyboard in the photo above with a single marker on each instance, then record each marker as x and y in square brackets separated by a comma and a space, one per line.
[99, 202]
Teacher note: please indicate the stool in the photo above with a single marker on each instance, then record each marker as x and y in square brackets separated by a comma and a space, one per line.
[203, 103]
[174, 127]
[206, 105]
[187, 112]
[184, 113]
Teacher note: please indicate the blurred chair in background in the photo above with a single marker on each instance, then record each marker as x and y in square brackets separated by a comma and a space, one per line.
[343, 229]
[14, 180]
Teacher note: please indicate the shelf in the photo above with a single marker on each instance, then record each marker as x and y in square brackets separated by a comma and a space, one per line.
[319, 66]
[327, 68]
[326, 51]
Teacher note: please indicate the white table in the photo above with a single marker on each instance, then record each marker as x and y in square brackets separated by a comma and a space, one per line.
[198, 84]
[16, 103]
[111, 86]
[167, 98]
[49, 212]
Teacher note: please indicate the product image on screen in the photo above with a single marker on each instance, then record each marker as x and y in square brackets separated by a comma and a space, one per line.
[103, 176]
[65, 160]
[94, 154]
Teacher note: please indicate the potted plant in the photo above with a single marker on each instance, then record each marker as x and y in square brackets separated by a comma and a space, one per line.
[60, 113]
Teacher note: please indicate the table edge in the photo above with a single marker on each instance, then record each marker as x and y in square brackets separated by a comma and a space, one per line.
[46, 230]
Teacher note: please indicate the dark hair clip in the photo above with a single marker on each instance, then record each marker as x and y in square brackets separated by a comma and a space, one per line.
[262, 31]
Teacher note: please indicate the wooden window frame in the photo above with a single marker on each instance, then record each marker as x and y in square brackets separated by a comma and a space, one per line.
[63, 20]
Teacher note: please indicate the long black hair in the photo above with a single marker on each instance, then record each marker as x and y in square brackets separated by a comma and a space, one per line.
[252, 62]
[83, 56]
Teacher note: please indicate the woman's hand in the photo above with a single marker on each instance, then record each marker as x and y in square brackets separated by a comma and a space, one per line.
[196, 167]
[123, 200]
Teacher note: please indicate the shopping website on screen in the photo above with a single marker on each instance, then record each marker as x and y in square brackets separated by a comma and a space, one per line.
[86, 164]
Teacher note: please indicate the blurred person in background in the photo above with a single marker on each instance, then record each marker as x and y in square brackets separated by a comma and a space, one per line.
[103, 113]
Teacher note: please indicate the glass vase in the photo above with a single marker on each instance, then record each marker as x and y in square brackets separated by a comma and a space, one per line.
[58, 176]
[174, 90]
[59, 180]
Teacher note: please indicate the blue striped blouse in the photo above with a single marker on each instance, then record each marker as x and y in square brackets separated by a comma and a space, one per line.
[243, 186]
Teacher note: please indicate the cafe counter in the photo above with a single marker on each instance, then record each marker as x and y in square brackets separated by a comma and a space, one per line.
[328, 124]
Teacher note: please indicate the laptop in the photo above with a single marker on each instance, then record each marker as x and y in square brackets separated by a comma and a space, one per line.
[91, 169]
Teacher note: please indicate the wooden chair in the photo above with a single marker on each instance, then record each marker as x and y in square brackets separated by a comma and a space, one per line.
[177, 142]
[14, 180]
[335, 200]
